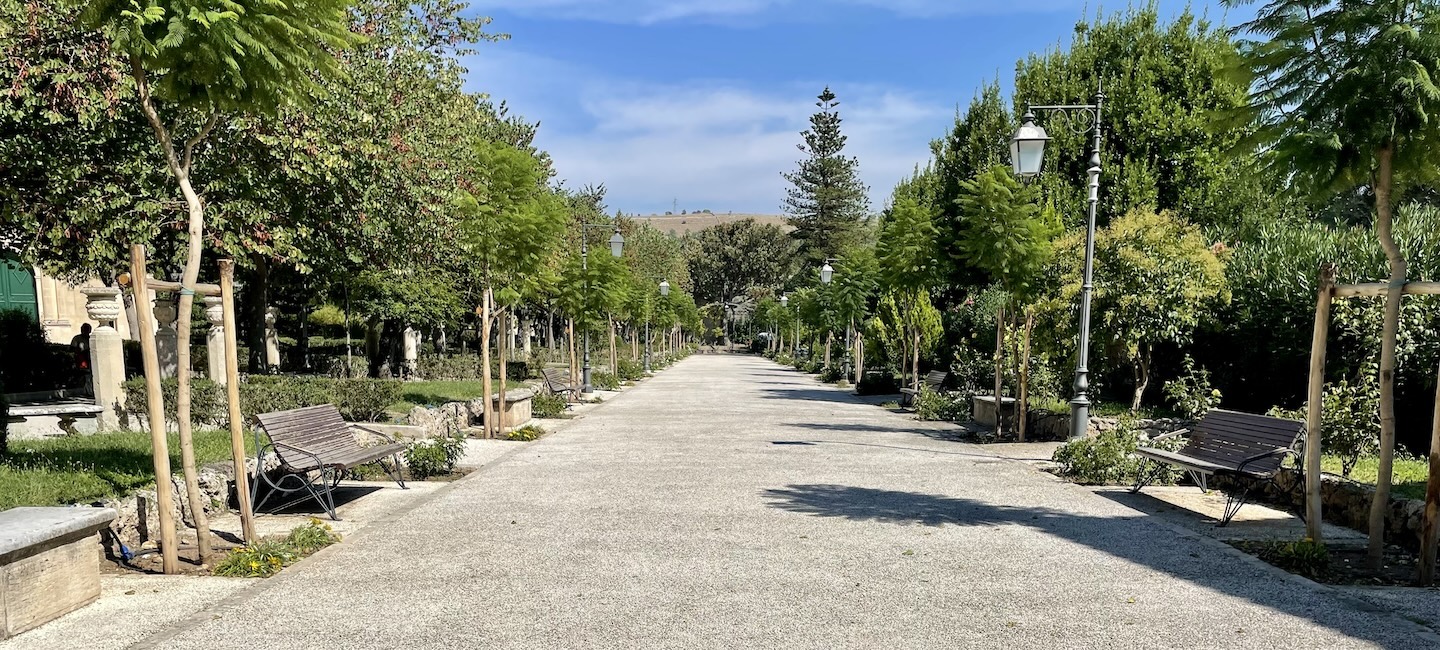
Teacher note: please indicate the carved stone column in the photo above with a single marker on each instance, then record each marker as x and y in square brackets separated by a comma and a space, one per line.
[215, 340]
[107, 354]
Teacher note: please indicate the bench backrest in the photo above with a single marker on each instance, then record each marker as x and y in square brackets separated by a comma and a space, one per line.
[1230, 437]
[556, 377]
[316, 429]
[936, 378]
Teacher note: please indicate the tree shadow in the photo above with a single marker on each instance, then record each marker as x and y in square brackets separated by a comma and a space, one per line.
[808, 395]
[1121, 537]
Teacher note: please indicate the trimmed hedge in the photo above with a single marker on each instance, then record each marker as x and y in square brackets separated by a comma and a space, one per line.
[359, 400]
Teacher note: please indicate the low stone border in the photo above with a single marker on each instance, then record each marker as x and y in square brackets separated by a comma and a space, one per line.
[1343, 501]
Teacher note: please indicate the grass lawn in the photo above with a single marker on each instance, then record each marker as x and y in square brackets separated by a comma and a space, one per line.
[82, 469]
[1410, 474]
[435, 393]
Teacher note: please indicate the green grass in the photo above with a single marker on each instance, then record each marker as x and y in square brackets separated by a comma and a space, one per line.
[81, 469]
[1410, 474]
[435, 393]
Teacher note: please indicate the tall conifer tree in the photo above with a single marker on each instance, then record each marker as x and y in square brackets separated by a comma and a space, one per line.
[828, 204]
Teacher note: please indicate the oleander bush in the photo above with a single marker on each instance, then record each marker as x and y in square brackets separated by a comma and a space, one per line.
[434, 456]
[1108, 458]
[931, 404]
[604, 380]
[547, 405]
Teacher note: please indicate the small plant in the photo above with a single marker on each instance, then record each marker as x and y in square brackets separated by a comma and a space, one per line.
[526, 433]
[434, 456]
[262, 559]
[547, 405]
[785, 359]
[311, 536]
[931, 404]
[1108, 458]
[831, 374]
[267, 557]
[630, 370]
[1306, 557]
[1191, 393]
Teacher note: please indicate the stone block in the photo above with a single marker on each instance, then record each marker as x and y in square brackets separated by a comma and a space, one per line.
[983, 409]
[49, 564]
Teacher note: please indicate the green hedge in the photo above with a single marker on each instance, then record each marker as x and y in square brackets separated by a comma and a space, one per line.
[359, 400]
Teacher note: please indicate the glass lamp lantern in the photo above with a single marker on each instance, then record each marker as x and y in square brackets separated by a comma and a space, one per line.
[1027, 148]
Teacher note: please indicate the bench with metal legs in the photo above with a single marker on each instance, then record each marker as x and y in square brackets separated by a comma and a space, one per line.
[315, 447]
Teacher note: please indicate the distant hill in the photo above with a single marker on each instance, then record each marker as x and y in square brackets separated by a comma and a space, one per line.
[695, 222]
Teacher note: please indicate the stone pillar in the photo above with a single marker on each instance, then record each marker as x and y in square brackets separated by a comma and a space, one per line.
[166, 345]
[411, 342]
[215, 340]
[107, 354]
[272, 338]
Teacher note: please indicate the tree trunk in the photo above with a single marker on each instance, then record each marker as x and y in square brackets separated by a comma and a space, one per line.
[504, 357]
[915, 361]
[859, 357]
[487, 411]
[180, 165]
[1432, 500]
[1022, 406]
[1142, 376]
[550, 330]
[634, 341]
[829, 336]
[999, 364]
[614, 358]
[1384, 229]
[257, 299]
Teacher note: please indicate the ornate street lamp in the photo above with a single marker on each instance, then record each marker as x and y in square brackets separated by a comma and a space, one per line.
[664, 291]
[617, 245]
[826, 272]
[1027, 151]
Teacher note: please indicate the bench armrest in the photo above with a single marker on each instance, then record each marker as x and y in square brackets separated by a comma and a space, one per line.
[298, 450]
[1172, 434]
[1278, 451]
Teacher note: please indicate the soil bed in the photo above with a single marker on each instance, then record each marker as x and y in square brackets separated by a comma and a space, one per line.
[1342, 566]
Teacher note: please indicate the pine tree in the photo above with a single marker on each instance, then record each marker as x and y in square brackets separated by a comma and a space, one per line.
[828, 203]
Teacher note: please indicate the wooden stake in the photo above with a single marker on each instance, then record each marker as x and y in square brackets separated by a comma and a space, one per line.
[1315, 410]
[999, 359]
[498, 408]
[1431, 528]
[485, 385]
[232, 400]
[155, 412]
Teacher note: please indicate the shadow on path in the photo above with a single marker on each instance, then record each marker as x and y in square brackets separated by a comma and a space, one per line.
[1114, 536]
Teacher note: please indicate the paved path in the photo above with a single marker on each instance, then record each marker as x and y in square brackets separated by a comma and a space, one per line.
[731, 503]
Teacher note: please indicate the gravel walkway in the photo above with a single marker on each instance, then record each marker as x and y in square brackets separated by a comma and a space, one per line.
[729, 502]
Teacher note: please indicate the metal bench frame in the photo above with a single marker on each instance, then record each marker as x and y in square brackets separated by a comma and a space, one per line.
[1210, 451]
[556, 385]
[306, 470]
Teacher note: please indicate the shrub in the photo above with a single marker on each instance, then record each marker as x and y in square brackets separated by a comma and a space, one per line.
[785, 359]
[1191, 393]
[1306, 557]
[526, 433]
[268, 394]
[547, 405]
[456, 368]
[311, 536]
[831, 374]
[604, 380]
[1350, 424]
[207, 400]
[630, 369]
[1108, 458]
[931, 404]
[434, 456]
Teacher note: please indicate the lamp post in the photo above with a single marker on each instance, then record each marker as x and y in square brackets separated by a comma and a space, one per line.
[1027, 151]
[784, 304]
[664, 291]
[827, 274]
[617, 244]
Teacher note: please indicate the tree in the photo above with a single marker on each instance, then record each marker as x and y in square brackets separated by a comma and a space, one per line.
[1345, 96]
[199, 64]
[1155, 279]
[727, 258]
[910, 264]
[510, 221]
[828, 203]
[1003, 233]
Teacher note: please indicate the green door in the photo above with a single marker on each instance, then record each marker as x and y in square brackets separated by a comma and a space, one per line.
[17, 288]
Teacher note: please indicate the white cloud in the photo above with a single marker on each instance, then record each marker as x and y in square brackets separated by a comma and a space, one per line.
[710, 145]
[657, 11]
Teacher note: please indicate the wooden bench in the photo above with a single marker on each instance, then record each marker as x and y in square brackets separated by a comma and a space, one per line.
[1226, 442]
[933, 380]
[557, 381]
[315, 447]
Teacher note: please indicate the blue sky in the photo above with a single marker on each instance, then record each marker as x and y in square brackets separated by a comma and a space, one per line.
[702, 101]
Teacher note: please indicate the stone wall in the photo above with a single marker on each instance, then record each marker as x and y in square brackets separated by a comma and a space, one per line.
[1344, 502]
